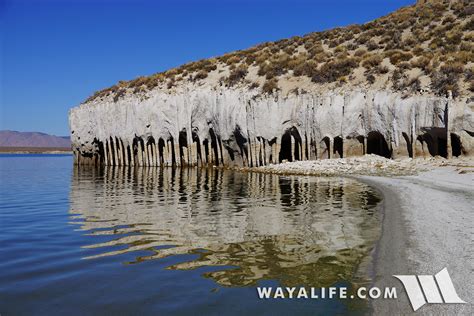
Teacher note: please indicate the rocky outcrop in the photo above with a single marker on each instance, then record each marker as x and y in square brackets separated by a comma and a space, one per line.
[237, 127]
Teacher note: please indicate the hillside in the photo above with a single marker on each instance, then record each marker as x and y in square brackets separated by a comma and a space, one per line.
[424, 48]
[32, 139]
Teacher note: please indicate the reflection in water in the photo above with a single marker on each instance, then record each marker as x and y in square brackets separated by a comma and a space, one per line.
[295, 230]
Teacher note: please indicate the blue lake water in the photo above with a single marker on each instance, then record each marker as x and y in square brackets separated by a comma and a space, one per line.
[124, 241]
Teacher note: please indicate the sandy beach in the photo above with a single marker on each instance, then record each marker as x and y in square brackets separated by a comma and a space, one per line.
[427, 226]
[427, 222]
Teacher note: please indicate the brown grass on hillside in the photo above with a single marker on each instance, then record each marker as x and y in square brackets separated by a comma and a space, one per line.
[435, 37]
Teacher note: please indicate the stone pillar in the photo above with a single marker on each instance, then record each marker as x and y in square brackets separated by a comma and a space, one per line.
[268, 152]
[157, 153]
[276, 151]
[167, 154]
[152, 154]
[132, 155]
[185, 160]
[225, 155]
[125, 155]
[210, 154]
[194, 154]
[177, 158]
[303, 149]
[314, 149]
[146, 161]
[449, 149]
[250, 151]
[292, 148]
[219, 152]
[111, 153]
[156, 149]
[331, 148]
[256, 152]
[140, 153]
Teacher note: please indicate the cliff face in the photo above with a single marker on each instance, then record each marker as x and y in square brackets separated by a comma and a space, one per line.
[240, 127]
[381, 87]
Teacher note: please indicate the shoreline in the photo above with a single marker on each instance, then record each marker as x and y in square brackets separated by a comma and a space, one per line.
[426, 226]
[426, 222]
[389, 254]
[35, 150]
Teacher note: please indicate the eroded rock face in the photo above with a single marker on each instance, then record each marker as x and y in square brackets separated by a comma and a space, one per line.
[239, 128]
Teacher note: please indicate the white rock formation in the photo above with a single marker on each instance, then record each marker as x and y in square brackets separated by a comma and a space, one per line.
[240, 127]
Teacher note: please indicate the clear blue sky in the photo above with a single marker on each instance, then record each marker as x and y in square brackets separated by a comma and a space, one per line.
[54, 54]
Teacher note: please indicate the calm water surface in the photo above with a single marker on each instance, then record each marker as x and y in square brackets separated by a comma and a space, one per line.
[154, 241]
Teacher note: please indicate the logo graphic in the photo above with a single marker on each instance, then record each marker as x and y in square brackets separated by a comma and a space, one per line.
[434, 289]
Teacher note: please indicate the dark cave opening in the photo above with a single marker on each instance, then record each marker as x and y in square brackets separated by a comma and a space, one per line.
[338, 147]
[206, 149]
[436, 141]
[196, 140]
[409, 144]
[456, 145]
[326, 145]
[214, 145]
[182, 142]
[377, 145]
[286, 145]
[161, 150]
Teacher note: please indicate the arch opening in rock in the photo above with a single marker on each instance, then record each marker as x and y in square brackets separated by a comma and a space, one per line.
[338, 147]
[436, 141]
[151, 150]
[456, 145]
[241, 141]
[285, 147]
[135, 149]
[290, 145]
[101, 151]
[272, 142]
[298, 142]
[325, 148]
[306, 151]
[123, 152]
[118, 154]
[183, 143]
[408, 142]
[229, 149]
[196, 140]
[141, 151]
[313, 152]
[377, 145]
[205, 143]
[214, 144]
[221, 156]
[173, 153]
[129, 154]
[161, 150]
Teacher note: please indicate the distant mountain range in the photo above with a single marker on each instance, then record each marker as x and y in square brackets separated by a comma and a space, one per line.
[33, 139]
